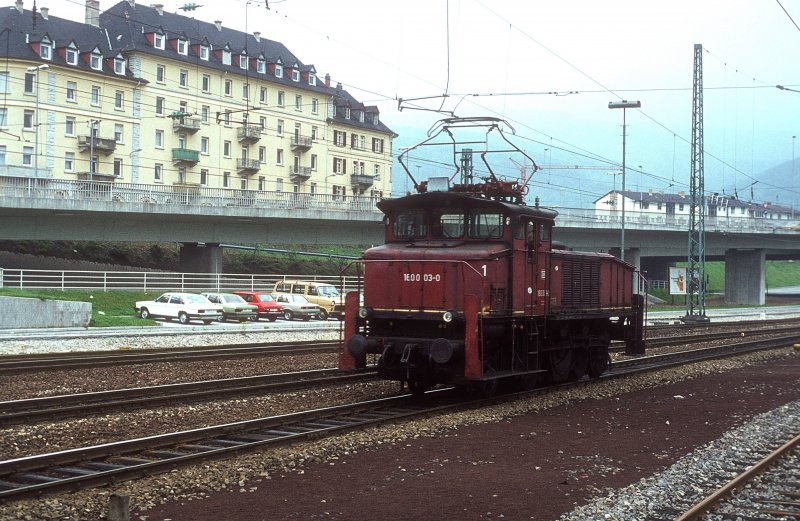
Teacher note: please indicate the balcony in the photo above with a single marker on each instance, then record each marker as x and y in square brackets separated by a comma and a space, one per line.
[96, 144]
[185, 124]
[185, 156]
[248, 166]
[249, 134]
[362, 181]
[300, 174]
[302, 143]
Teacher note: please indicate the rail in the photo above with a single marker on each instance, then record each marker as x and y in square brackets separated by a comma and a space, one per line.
[147, 281]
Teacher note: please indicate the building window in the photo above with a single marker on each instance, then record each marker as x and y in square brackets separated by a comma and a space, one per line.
[27, 120]
[279, 185]
[119, 98]
[377, 145]
[159, 106]
[279, 129]
[227, 118]
[243, 183]
[362, 142]
[69, 126]
[243, 61]
[298, 103]
[157, 172]
[313, 133]
[118, 129]
[261, 183]
[338, 193]
[95, 62]
[69, 161]
[204, 111]
[183, 47]
[206, 83]
[72, 91]
[72, 56]
[181, 174]
[361, 117]
[338, 165]
[181, 141]
[295, 75]
[226, 148]
[204, 145]
[226, 57]
[245, 90]
[161, 73]
[314, 162]
[95, 95]
[314, 105]
[261, 66]
[278, 70]
[312, 80]
[338, 138]
[183, 78]
[30, 81]
[205, 52]
[158, 41]
[27, 156]
[203, 177]
[45, 51]
[3, 117]
[262, 154]
[228, 87]
[159, 139]
[281, 97]
[119, 66]
[226, 179]
[262, 121]
[4, 82]
[279, 157]
[117, 167]
[312, 189]
[262, 96]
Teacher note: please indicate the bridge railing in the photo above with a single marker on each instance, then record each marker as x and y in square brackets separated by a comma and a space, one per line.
[152, 281]
[178, 195]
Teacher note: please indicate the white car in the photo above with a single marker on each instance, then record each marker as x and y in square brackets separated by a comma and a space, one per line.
[183, 306]
[296, 306]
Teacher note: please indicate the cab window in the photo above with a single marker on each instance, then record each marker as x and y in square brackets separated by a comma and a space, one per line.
[545, 232]
[410, 224]
[282, 287]
[447, 224]
[312, 290]
[298, 289]
[485, 224]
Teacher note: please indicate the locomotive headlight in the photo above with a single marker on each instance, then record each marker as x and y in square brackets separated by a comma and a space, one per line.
[447, 316]
[364, 312]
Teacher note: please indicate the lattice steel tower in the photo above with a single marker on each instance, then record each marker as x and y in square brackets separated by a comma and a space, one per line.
[696, 272]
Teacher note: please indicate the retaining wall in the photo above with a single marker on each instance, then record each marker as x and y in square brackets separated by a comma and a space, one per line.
[19, 312]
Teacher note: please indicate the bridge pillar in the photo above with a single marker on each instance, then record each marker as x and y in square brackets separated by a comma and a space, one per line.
[745, 277]
[200, 257]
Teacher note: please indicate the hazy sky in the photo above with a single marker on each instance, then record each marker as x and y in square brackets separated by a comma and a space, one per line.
[514, 52]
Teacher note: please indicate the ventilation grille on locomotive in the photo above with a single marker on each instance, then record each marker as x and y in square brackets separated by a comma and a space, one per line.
[581, 284]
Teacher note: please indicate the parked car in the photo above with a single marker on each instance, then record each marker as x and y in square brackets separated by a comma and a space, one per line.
[265, 304]
[296, 306]
[183, 306]
[234, 307]
[325, 295]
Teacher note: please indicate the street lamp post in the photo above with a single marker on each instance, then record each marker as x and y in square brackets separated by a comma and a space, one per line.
[37, 68]
[624, 104]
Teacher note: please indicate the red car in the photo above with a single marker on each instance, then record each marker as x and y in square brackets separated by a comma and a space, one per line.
[267, 307]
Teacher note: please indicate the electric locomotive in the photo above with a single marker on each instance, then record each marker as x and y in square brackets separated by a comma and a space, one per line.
[470, 289]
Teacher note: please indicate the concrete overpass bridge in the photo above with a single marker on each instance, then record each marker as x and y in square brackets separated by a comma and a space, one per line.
[201, 218]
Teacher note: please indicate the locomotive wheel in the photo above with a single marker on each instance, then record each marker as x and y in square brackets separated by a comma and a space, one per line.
[580, 363]
[560, 365]
[598, 361]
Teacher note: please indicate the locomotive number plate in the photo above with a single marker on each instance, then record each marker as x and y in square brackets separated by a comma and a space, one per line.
[421, 277]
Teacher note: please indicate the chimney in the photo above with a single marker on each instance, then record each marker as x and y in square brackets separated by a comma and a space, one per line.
[339, 86]
[93, 12]
[18, 5]
[257, 36]
[327, 79]
[45, 12]
[650, 191]
[218, 23]
[159, 8]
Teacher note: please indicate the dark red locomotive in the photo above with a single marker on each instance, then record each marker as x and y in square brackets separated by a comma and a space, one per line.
[469, 289]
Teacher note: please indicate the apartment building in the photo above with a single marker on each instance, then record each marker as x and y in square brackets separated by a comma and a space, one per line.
[136, 94]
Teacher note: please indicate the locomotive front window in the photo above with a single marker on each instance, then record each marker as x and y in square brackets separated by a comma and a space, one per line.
[447, 224]
[410, 224]
[485, 224]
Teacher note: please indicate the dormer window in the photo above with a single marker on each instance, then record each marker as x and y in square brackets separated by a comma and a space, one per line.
[226, 57]
[183, 47]
[261, 66]
[158, 41]
[312, 79]
[71, 56]
[295, 75]
[119, 66]
[204, 52]
[361, 116]
[375, 119]
[347, 112]
[278, 70]
[46, 50]
[95, 61]
[243, 61]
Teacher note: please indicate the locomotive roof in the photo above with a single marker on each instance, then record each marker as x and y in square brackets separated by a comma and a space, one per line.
[456, 199]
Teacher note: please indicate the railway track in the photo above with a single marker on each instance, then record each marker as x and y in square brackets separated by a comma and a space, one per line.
[766, 487]
[72, 405]
[76, 360]
[102, 464]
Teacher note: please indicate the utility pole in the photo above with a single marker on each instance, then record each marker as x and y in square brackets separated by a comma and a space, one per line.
[696, 271]
[624, 105]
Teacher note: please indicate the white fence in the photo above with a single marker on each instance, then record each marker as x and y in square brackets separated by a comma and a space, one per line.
[151, 281]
